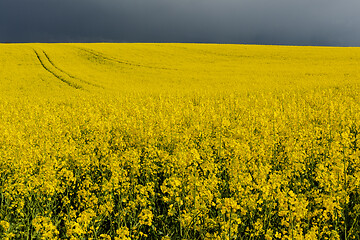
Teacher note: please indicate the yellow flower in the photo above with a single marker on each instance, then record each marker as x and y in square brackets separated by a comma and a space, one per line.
[105, 237]
[146, 217]
[123, 234]
[5, 225]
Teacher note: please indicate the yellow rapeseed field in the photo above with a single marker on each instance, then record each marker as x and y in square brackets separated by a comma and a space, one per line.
[179, 141]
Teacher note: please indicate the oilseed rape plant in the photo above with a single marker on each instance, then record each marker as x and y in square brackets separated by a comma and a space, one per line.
[179, 141]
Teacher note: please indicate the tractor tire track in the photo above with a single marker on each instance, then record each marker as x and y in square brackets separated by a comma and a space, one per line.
[103, 57]
[61, 78]
[69, 75]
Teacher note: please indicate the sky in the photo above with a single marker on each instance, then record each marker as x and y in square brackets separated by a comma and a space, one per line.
[284, 22]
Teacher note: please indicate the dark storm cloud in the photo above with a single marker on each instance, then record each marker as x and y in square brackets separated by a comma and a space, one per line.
[300, 22]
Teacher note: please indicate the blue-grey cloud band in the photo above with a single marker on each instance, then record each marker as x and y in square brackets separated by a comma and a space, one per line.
[306, 22]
